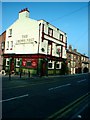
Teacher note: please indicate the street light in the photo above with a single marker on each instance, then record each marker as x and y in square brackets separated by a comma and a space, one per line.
[10, 68]
[20, 68]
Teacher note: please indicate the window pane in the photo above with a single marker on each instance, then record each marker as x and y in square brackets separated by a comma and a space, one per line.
[61, 37]
[8, 45]
[11, 44]
[50, 31]
[50, 65]
[7, 63]
[57, 65]
[10, 32]
[29, 63]
[18, 63]
[3, 45]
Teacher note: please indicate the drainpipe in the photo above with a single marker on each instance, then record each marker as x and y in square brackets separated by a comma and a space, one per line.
[20, 67]
[38, 66]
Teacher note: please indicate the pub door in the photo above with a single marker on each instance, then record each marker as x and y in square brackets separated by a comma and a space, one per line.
[44, 65]
[12, 65]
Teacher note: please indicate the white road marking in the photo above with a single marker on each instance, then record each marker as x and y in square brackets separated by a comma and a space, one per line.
[14, 98]
[59, 87]
[81, 80]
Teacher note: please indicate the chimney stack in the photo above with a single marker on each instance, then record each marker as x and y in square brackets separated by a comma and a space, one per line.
[70, 48]
[75, 50]
[24, 13]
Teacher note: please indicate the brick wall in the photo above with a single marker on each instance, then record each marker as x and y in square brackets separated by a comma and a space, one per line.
[2, 40]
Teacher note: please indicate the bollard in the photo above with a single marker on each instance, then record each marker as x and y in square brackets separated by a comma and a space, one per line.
[29, 74]
[20, 74]
[9, 76]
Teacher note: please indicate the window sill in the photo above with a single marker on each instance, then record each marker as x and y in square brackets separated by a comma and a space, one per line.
[9, 36]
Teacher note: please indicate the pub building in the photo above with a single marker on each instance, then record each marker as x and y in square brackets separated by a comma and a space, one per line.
[34, 46]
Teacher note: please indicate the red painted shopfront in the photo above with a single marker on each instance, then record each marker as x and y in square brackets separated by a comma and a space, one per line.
[29, 63]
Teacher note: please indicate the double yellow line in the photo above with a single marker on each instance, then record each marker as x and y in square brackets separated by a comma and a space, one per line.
[64, 111]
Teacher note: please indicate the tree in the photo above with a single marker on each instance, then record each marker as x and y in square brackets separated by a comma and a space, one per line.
[64, 68]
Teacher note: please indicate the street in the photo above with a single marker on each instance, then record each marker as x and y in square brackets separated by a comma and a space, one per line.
[41, 98]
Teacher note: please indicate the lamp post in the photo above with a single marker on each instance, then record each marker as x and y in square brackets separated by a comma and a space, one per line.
[10, 68]
[46, 60]
[20, 68]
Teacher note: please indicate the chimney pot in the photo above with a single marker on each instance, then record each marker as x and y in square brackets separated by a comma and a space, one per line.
[75, 50]
[70, 47]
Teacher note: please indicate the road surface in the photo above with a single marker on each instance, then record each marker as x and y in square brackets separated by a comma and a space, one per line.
[42, 98]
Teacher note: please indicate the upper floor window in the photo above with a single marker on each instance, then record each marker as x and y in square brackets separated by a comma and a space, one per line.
[72, 56]
[3, 45]
[61, 37]
[7, 45]
[42, 27]
[11, 45]
[69, 56]
[50, 32]
[10, 32]
[59, 50]
[42, 32]
[49, 50]
[66, 39]
[39, 26]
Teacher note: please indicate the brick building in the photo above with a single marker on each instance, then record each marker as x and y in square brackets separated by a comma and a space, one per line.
[2, 47]
[76, 61]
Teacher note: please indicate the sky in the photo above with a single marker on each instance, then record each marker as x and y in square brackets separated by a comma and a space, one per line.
[70, 17]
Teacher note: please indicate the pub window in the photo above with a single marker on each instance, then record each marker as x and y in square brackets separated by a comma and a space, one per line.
[50, 65]
[18, 63]
[28, 63]
[57, 65]
[7, 62]
[50, 32]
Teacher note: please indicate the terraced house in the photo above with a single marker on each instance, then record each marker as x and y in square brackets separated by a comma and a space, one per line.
[34, 46]
[77, 62]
